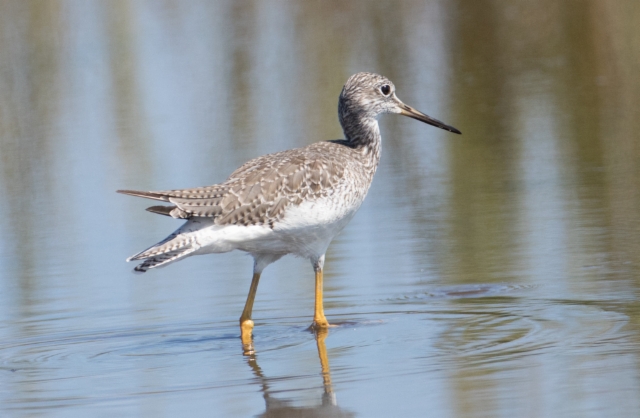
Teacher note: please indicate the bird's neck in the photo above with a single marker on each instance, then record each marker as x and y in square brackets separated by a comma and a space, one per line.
[363, 134]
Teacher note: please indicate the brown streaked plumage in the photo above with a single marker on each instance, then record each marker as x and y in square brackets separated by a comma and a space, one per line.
[258, 192]
[289, 202]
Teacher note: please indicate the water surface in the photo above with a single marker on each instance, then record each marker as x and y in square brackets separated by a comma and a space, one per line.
[493, 274]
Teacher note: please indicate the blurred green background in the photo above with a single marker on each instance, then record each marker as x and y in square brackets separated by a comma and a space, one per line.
[536, 206]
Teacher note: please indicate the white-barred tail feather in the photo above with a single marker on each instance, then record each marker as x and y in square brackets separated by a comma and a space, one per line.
[163, 259]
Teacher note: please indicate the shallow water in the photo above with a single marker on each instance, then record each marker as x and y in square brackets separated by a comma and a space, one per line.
[493, 274]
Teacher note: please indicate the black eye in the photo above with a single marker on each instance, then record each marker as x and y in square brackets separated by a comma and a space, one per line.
[386, 89]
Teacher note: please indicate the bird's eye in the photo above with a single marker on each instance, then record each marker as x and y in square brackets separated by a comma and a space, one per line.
[386, 89]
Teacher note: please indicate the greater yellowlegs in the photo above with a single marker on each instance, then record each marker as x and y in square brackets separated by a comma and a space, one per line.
[290, 202]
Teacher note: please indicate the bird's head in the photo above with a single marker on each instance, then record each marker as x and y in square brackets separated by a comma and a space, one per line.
[367, 95]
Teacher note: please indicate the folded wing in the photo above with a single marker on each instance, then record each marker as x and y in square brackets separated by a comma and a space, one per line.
[258, 192]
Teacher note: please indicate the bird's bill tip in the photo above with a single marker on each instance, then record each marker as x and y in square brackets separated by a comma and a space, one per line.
[416, 114]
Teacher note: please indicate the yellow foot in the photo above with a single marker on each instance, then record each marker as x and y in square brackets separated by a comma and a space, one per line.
[246, 328]
[319, 324]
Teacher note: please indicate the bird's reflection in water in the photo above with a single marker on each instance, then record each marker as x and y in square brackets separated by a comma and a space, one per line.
[282, 408]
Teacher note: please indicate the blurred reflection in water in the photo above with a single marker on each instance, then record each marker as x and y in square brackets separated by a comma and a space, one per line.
[494, 274]
[328, 406]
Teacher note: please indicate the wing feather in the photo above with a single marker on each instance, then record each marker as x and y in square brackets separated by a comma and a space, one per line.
[260, 190]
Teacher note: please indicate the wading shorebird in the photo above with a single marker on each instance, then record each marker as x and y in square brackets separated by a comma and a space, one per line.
[290, 202]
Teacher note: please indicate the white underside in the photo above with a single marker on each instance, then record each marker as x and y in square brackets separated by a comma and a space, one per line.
[305, 230]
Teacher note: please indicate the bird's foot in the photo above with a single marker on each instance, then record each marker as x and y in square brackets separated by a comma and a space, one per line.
[319, 324]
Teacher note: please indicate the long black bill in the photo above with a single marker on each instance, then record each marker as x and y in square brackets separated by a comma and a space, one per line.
[416, 114]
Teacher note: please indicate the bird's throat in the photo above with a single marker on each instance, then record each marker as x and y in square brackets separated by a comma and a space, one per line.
[363, 134]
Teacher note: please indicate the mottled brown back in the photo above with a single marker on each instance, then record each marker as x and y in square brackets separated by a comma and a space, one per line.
[259, 191]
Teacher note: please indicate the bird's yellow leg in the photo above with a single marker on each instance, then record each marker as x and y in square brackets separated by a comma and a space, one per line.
[246, 324]
[319, 320]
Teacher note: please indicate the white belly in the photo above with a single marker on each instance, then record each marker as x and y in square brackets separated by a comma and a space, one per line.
[309, 228]
[305, 230]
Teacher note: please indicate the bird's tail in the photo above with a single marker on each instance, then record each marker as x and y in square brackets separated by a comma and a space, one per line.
[173, 248]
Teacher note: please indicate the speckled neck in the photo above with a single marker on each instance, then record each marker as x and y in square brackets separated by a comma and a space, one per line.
[361, 130]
